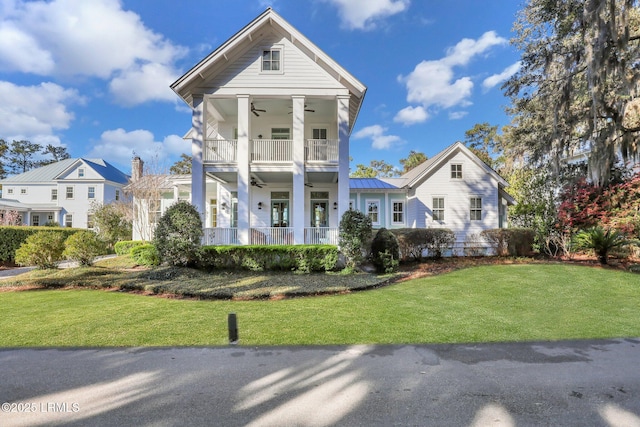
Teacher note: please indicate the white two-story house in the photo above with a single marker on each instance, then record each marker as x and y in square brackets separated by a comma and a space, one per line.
[272, 115]
[62, 192]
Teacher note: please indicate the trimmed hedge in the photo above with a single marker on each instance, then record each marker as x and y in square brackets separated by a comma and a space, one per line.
[124, 247]
[12, 237]
[146, 254]
[300, 258]
[414, 241]
[510, 241]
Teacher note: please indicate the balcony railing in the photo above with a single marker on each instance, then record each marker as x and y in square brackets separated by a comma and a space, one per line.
[321, 150]
[272, 150]
[320, 236]
[221, 151]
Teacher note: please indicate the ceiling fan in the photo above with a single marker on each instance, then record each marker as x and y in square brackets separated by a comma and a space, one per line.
[255, 110]
[305, 109]
[255, 183]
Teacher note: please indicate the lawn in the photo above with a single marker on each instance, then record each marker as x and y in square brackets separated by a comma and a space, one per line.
[519, 302]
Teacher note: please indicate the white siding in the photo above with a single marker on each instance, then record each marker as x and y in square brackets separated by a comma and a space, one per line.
[299, 71]
[476, 182]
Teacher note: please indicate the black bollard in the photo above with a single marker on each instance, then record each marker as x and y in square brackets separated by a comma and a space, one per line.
[233, 329]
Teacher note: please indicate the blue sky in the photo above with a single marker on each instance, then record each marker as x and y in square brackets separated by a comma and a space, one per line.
[94, 75]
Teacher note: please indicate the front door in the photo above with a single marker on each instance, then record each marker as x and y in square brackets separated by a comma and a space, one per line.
[319, 209]
[280, 209]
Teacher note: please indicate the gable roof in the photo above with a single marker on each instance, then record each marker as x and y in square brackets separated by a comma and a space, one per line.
[188, 84]
[54, 171]
[415, 175]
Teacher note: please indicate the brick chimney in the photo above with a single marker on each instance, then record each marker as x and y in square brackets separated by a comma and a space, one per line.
[136, 168]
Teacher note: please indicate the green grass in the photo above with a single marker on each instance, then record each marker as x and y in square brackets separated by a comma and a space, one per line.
[480, 304]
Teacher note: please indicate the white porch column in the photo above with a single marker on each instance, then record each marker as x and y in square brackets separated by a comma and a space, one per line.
[197, 165]
[343, 155]
[298, 170]
[244, 148]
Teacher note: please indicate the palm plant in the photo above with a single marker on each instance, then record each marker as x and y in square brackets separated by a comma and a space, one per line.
[602, 241]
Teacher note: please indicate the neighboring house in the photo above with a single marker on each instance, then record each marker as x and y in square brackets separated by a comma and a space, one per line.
[62, 192]
[153, 194]
[272, 115]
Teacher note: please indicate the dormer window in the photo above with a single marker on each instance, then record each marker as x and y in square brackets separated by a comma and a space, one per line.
[272, 59]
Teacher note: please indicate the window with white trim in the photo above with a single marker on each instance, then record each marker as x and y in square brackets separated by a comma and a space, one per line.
[9, 190]
[373, 211]
[438, 209]
[54, 194]
[68, 220]
[272, 60]
[476, 208]
[90, 222]
[50, 218]
[456, 171]
[398, 212]
[280, 133]
[23, 191]
[81, 173]
[35, 220]
[91, 193]
[117, 195]
[69, 192]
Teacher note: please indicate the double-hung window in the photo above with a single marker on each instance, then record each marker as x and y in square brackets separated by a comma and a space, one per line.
[438, 209]
[54, 194]
[69, 192]
[476, 208]
[398, 212]
[91, 193]
[456, 171]
[373, 211]
[272, 59]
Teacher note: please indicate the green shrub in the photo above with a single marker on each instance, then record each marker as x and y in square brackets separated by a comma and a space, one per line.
[42, 249]
[111, 223]
[11, 237]
[145, 255]
[355, 231]
[602, 241]
[178, 235]
[124, 247]
[510, 241]
[299, 258]
[83, 247]
[413, 242]
[384, 251]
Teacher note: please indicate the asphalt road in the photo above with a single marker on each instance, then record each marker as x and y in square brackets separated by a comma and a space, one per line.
[594, 383]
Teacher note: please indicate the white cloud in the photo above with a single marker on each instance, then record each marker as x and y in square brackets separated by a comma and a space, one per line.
[364, 14]
[33, 112]
[496, 79]
[119, 145]
[457, 115]
[411, 115]
[94, 38]
[146, 83]
[433, 84]
[380, 141]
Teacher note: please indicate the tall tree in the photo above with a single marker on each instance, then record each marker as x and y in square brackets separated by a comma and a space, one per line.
[21, 156]
[484, 141]
[56, 153]
[414, 159]
[376, 168]
[579, 81]
[3, 150]
[182, 166]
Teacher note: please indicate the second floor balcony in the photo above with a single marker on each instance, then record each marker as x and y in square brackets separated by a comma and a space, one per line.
[225, 151]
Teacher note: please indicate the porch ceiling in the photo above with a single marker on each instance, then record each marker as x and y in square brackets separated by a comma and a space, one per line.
[276, 177]
[226, 109]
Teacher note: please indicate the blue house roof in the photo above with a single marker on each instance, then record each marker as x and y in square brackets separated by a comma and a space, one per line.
[370, 184]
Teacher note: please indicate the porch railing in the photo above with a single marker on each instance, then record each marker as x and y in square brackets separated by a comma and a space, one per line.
[320, 236]
[272, 150]
[221, 151]
[221, 236]
[321, 150]
[271, 236]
